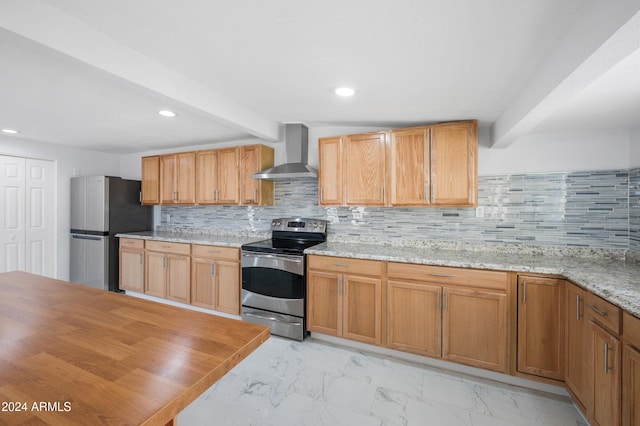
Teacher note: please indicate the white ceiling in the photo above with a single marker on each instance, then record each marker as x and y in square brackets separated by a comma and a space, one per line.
[94, 74]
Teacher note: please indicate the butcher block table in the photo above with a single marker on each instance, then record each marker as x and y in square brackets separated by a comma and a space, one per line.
[74, 355]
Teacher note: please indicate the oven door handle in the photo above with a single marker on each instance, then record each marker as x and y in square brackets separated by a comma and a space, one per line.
[272, 317]
[295, 259]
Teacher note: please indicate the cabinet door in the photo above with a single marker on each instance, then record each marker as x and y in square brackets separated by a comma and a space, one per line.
[474, 328]
[606, 378]
[409, 167]
[330, 167]
[132, 270]
[630, 387]
[206, 176]
[414, 322]
[228, 176]
[254, 158]
[178, 278]
[150, 180]
[365, 169]
[578, 350]
[362, 309]
[324, 303]
[202, 283]
[454, 149]
[227, 287]
[168, 179]
[541, 327]
[185, 179]
[155, 274]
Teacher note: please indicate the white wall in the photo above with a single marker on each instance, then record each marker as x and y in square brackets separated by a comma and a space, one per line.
[566, 152]
[634, 147]
[65, 159]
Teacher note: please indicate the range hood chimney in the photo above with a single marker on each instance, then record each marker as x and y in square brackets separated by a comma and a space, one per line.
[296, 139]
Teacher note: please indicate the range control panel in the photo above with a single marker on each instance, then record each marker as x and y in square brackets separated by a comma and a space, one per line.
[297, 224]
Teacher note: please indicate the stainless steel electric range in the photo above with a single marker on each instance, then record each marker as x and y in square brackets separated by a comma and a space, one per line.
[274, 276]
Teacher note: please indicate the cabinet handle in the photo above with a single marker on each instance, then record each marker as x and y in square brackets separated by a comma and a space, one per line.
[606, 358]
[433, 274]
[217, 196]
[339, 291]
[215, 269]
[598, 311]
[446, 301]
[211, 269]
[524, 292]
[255, 195]
[141, 259]
[578, 307]
[437, 301]
[382, 193]
[344, 265]
[321, 198]
[164, 262]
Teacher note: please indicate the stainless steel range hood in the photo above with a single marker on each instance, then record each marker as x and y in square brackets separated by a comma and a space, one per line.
[296, 141]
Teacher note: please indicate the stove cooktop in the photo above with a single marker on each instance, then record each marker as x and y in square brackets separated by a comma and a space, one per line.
[278, 245]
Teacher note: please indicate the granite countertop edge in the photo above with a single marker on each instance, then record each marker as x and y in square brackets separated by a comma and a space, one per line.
[614, 280]
[204, 239]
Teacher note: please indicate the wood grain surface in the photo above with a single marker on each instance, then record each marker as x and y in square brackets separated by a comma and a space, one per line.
[74, 355]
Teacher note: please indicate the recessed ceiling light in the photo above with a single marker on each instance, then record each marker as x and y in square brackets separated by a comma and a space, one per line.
[10, 131]
[167, 113]
[345, 91]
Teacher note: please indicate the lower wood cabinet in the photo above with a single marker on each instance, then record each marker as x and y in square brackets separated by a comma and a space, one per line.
[474, 328]
[131, 265]
[215, 278]
[414, 317]
[344, 298]
[606, 407]
[578, 347]
[168, 270]
[541, 326]
[631, 371]
[458, 314]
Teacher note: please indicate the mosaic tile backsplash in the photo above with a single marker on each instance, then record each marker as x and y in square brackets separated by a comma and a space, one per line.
[597, 209]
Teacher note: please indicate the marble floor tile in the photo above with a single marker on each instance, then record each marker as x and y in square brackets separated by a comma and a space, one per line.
[285, 382]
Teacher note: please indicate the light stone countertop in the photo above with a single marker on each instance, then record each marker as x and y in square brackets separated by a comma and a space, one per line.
[617, 281]
[193, 238]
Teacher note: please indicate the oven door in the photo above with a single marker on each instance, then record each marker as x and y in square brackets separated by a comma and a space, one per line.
[273, 282]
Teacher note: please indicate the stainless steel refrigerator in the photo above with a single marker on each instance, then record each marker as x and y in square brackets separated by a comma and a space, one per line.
[101, 207]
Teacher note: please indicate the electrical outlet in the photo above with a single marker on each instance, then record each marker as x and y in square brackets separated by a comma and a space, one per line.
[357, 215]
[167, 218]
[480, 211]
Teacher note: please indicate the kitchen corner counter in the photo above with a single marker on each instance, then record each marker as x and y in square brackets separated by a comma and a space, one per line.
[617, 281]
[192, 238]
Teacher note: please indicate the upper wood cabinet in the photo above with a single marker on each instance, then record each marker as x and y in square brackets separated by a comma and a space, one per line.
[421, 166]
[177, 178]
[259, 192]
[330, 171]
[218, 176]
[150, 180]
[410, 167]
[365, 170]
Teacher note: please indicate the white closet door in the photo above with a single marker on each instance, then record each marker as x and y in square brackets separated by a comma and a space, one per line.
[39, 257]
[12, 214]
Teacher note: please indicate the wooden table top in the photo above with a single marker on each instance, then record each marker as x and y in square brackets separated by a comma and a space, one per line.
[71, 354]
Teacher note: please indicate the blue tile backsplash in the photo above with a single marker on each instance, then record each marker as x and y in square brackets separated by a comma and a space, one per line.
[599, 209]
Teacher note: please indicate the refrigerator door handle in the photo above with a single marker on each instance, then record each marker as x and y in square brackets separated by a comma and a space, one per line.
[86, 237]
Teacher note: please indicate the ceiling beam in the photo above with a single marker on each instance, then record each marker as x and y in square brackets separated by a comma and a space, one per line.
[44, 24]
[604, 34]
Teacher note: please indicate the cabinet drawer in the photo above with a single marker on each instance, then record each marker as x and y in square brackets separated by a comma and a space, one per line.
[168, 247]
[603, 312]
[631, 329]
[132, 243]
[447, 275]
[215, 252]
[346, 265]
